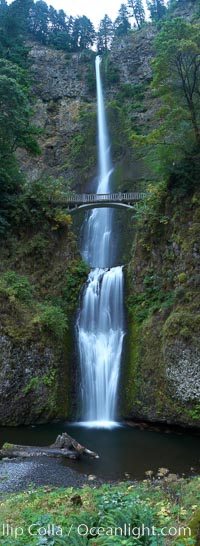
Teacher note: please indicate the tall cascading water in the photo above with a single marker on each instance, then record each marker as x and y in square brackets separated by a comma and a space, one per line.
[100, 324]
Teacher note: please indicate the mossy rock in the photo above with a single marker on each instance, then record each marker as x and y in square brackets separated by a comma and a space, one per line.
[193, 536]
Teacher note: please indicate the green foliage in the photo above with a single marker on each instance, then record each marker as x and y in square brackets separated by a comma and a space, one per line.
[195, 412]
[51, 318]
[16, 131]
[182, 277]
[152, 299]
[110, 72]
[75, 278]
[13, 19]
[82, 148]
[91, 79]
[33, 384]
[119, 129]
[109, 507]
[134, 94]
[172, 148]
[40, 207]
[16, 287]
[177, 81]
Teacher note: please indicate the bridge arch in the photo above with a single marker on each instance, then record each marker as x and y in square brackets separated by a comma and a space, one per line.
[87, 201]
[89, 206]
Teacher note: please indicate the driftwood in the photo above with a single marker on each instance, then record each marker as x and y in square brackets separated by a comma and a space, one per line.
[64, 446]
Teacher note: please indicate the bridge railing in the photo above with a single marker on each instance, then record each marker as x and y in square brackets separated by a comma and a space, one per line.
[96, 197]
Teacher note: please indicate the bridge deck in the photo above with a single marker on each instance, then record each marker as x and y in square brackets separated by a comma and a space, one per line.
[84, 198]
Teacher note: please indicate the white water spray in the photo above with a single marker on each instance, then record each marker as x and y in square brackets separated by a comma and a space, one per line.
[100, 322]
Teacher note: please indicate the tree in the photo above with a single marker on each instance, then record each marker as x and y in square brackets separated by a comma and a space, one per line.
[3, 7]
[16, 131]
[58, 32]
[83, 33]
[177, 73]
[13, 30]
[157, 9]
[122, 24]
[57, 20]
[39, 20]
[105, 34]
[137, 11]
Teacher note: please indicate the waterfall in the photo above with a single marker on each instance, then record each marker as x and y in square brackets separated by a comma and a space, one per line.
[100, 322]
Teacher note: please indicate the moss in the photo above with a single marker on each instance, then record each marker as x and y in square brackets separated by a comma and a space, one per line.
[194, 525]
[182, 323]
[35, 337]
[33, 384]
[193, 531]
[163, 297]
[82, 150]
[130, 378]
[8, 446]
[182, 278]
[147, 394]
[194, 413]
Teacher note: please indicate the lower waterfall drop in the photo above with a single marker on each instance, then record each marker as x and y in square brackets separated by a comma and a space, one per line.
[100, 329]
[100, 323]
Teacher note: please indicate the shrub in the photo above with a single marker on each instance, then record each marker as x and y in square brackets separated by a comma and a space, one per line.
[51, 318]
[16, 286]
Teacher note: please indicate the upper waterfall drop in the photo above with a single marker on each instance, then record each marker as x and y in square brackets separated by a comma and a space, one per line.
[98, 226]
[100, 324]
[105, 167]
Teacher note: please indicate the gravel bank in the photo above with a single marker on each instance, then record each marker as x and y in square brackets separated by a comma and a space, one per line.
[20, 474]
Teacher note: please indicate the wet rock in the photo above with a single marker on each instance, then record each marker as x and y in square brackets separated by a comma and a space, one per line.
[24, 368]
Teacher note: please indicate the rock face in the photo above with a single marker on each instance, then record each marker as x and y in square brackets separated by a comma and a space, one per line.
[60, 89]
[36, 355]
[33, 383]
[183, 371]
[161, 376]
[132, 54]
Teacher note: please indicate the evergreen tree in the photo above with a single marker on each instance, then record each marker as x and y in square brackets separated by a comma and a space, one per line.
[57, 20]
[83, 33]
[105, 34]
[39, 20]
[13, 30]
[122, 24]
[16, 131]
[157, 9]
[137, 11]
[3, 7]
[58, 32]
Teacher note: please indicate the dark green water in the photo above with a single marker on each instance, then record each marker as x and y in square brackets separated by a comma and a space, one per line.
[122, 450]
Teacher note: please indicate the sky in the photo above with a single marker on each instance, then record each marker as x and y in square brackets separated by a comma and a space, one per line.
[93, 9]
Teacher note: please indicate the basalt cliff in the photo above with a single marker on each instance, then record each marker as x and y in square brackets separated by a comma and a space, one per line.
[160, 376]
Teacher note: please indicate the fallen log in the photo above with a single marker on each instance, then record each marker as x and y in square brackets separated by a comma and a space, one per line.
[64, 446]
